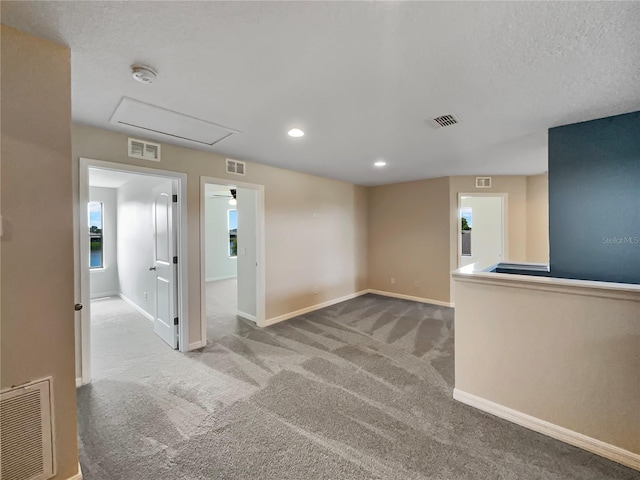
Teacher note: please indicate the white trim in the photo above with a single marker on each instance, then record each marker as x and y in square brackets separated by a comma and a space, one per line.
[104, 295]
[137, 307]
[312, 308]
[618, 291]
[82, 263]
[77, 476]
[247, 316]
[593, 445]
[412, 298]
[78, 382]
[226, 277]
[83, 266]
[260, 250]
[196, 345]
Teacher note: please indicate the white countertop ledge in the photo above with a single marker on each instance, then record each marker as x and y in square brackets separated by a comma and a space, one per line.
[622, 291]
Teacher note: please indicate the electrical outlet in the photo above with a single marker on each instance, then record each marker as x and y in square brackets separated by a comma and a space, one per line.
[316, 290]
[393, 281]
[145, 295]
[416, 284]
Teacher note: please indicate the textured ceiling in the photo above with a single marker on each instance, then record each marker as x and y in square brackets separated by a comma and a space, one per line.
[361, 78]
[108, 178]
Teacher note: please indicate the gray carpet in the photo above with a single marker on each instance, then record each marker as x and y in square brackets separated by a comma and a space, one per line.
[359, 390]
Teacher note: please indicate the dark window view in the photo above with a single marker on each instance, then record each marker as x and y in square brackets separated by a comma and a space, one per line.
[95, 235]
[233, 232]
[466, 230]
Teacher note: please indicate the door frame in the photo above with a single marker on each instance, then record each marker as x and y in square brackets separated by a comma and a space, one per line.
[260, 253]
[504, 197]
[82, 267]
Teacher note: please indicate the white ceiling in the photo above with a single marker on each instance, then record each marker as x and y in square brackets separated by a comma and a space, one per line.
[108, 178]
[99, 177]
[361, 78]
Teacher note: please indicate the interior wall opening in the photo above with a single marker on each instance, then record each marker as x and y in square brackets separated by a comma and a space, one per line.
[481, 237]
[230, 241]
[130, 238]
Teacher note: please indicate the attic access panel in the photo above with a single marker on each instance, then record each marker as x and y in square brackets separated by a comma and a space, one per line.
[157, 120]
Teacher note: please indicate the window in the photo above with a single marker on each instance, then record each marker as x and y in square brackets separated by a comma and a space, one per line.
[95, 235]
[466, 219]
[232, 225]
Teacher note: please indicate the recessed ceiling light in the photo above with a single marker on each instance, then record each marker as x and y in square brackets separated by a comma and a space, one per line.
[380, 163]
[295, 132]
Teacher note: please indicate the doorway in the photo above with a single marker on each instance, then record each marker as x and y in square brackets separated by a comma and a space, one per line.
[232, 252]
[132, 234]
[481, 227]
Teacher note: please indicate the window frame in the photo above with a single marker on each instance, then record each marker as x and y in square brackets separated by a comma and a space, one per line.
[469, 212]
[102, 265]
[229, 251]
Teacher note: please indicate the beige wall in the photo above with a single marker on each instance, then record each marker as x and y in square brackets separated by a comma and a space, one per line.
[37, 327]
[538, 218]
[315, 227]
[576, 366]
[409, 238]
[423, 217]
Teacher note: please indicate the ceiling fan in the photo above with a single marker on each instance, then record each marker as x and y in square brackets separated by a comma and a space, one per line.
[231, 196]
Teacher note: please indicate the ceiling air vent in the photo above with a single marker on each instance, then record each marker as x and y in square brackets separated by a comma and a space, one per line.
[445, 121]
[235, 167]
[483, 182]
[26, 443]
[144, 150]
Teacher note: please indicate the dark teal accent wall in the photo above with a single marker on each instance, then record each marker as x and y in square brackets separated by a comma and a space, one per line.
[594, 199]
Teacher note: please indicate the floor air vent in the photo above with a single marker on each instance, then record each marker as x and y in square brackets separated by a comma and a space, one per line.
[445, 121]
[235, 167]
[26, 448]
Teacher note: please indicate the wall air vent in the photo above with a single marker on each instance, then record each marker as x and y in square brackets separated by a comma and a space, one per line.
[235, 167]
[26, 442]
[483, 182]
[144, 150]
[166, 125]
[445, 121]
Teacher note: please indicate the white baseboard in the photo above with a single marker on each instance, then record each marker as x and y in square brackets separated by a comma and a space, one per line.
[249, 317]
[77, 476]
[104, 295]
[195, 345]
[215, 279]
[312, 308]
[606, 450]
[78, 382]
[146, 314]
[409, 297]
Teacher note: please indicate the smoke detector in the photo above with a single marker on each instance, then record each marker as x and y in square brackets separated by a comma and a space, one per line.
[143, 74]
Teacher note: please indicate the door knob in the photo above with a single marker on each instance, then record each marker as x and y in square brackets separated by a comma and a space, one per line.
[152, 269]
[77, 307]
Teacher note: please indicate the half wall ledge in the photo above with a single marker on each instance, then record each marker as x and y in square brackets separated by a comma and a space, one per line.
[561, 353]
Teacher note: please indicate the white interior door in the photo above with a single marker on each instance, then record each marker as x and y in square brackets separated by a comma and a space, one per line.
[165, 322]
